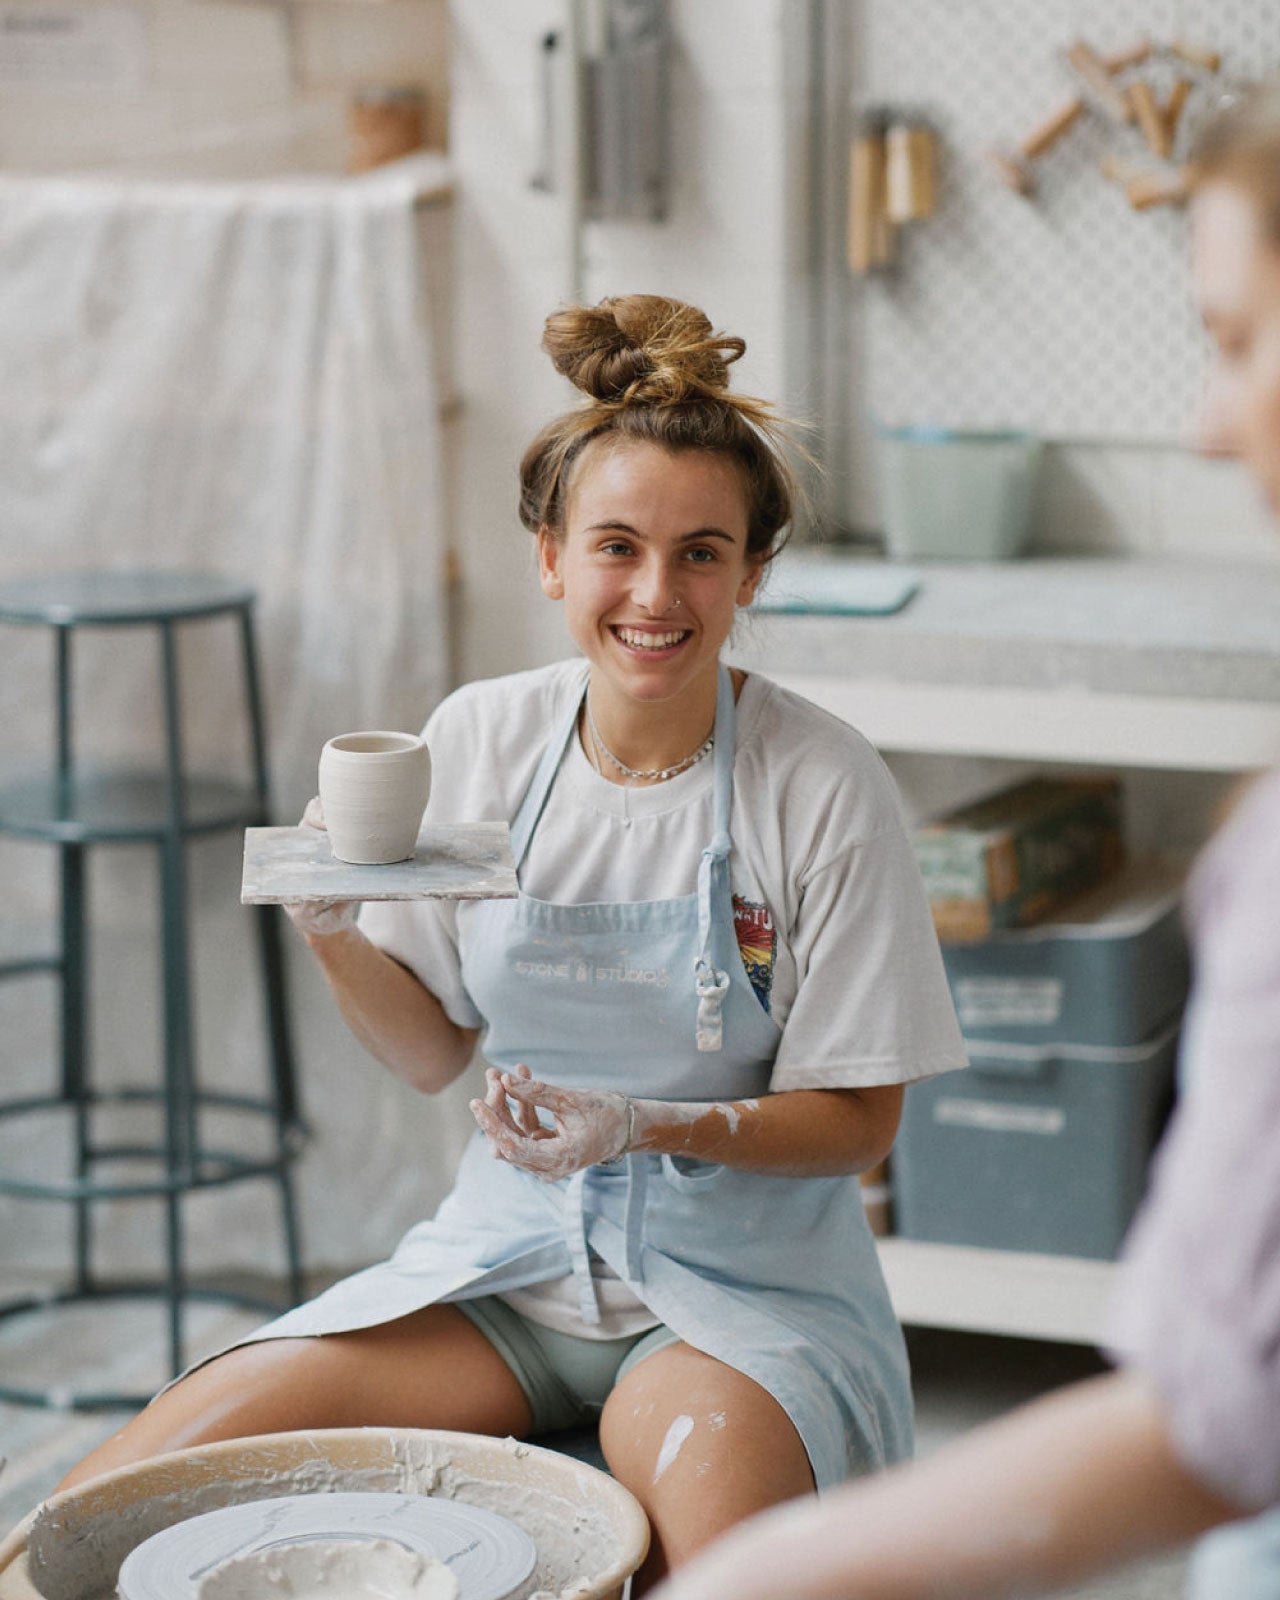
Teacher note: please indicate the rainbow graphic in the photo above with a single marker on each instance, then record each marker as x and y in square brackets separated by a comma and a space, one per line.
[757, 944]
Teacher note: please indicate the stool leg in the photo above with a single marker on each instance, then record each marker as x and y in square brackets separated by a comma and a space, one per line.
[289, 1126]
[74, 1031]
[179, 1047]
[74, 1007]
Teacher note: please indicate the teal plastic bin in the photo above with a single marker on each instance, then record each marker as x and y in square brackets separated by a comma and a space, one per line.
[949, 496]
[1041, 1149]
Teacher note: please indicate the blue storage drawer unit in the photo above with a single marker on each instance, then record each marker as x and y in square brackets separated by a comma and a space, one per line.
[1113, 971]
[1034, 1148]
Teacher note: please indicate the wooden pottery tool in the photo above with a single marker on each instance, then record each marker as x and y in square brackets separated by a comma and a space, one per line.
[1151, 118]
[909, 171]
[1120, 171]
[1158, 189]
[1092, 71]
[1133, 56]
[871, 232]
[1014, 174]
[1051, 129]
[1197, 55]
[1173, 106]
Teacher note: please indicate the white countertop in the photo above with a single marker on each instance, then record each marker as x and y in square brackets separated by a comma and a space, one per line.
[1126, 626]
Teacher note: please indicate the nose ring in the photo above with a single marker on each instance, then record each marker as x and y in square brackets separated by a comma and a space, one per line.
[675, 605]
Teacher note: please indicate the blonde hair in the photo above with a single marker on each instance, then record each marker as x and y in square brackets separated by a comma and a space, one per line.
[653, 370]
[1241, 146]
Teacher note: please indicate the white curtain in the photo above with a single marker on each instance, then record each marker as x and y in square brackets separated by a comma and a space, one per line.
[234, 378]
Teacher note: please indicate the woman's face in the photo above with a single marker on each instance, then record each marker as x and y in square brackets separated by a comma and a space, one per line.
[1237, 274]
[651, 565]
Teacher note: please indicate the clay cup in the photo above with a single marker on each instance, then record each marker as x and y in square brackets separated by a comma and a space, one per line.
[373, 789]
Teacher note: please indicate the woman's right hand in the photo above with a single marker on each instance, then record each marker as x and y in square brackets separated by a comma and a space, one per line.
[320, 918]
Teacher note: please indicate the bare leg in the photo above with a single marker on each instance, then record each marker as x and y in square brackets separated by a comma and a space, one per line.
[431, 1369]
[701, 1446]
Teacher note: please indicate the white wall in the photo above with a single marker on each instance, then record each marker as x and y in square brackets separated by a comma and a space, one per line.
[725, 246]
[211, 68]
[1105, 499]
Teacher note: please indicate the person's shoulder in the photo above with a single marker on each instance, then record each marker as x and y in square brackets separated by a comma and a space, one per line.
[1236, 888]
[806, 749]
[516, 702]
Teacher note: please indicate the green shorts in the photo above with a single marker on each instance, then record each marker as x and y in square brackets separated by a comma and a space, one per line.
[566, 1380]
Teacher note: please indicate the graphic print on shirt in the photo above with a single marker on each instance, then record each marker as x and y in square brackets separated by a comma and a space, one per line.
[757, 943]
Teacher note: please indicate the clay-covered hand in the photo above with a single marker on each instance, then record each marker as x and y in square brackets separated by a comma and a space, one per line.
[591, 1125]
[319, 918]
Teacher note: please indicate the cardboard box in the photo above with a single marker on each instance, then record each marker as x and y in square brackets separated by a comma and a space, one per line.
[1015, 857]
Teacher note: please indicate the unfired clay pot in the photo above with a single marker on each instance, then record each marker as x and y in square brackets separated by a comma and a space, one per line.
[373, 789]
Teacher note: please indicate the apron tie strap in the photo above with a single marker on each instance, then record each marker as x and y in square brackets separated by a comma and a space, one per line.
[575, 1233]
[712, 986]
[637, 1188]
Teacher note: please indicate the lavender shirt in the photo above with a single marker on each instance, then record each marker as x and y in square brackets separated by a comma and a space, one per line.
[1198, 1308]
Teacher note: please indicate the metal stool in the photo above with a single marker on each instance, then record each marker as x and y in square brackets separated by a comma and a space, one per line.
[75, 810]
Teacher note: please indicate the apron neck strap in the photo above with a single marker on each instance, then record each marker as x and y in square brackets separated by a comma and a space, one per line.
[536, 794]
[535, 799]
[722, 754]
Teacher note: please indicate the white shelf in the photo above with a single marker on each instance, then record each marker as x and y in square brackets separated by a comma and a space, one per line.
[1050, 725]
[997, 1291]
[1143, 663]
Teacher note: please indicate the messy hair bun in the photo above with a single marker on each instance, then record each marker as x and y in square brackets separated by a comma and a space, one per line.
[640, 347]
[655, 371]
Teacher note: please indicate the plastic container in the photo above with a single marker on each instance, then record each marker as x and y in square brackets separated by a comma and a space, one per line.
[1110, 970]
[1033, 1149]
[956, 496]
[591, 1533]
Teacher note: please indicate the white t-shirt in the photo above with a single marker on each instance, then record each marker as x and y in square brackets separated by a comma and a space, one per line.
[830, 909]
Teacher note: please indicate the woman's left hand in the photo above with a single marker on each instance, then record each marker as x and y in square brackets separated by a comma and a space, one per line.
[591, 1125]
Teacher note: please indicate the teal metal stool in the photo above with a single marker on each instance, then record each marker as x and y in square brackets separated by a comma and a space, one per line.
[75, 810]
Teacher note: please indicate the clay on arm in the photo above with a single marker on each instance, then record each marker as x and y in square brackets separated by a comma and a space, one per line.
[802, 1133]
[1085, 1479]
[393, 1015]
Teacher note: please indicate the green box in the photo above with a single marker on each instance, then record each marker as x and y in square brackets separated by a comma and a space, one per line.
[1013, 858]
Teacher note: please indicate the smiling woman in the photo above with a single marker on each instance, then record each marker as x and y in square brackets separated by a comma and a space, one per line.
[699, 1012]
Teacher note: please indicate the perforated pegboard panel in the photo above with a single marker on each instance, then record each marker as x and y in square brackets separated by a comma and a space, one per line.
[1069, 314]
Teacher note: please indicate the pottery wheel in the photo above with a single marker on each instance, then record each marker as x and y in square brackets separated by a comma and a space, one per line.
[491, 1557]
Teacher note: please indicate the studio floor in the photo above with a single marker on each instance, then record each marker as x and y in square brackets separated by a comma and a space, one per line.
[960, 1380]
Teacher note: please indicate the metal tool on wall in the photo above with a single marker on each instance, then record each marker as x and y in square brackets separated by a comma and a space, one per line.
[603, 119]
[626, 111]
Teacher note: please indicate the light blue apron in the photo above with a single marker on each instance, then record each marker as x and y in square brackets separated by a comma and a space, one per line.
[777, 1277]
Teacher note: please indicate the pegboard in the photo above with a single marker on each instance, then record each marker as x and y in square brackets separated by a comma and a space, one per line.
[1068, 314]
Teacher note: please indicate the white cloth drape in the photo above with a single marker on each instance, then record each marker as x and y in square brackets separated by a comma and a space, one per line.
[236, 378]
